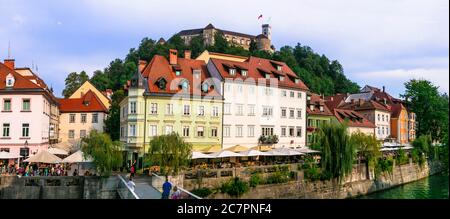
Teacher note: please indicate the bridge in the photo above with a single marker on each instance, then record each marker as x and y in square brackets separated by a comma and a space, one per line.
[147, 187]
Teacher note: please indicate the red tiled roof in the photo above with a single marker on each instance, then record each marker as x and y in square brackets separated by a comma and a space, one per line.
[159, 68]
[352, 118]
[365, 105]
[318, 101]
[20, 82]
[87, 103]
[256, 67]
[396, 110]
[333, 102]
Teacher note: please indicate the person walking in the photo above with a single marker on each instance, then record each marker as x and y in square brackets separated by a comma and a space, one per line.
[176, 193]
[166, 189]
[75, 172]
[131, 184]
[132, 170]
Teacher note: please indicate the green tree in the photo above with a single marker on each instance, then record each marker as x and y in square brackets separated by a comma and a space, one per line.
[100, 80]
[106, 153]
[197, 46]
[73, 82]
[220, 43]
[422, 144]
[431, 108]
[170, 152]
[368, 147]
[337, 150]
[112, 122]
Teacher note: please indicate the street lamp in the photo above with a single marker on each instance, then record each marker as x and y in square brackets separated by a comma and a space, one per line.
[26, 149]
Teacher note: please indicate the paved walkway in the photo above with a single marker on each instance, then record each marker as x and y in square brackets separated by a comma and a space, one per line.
[144, 189]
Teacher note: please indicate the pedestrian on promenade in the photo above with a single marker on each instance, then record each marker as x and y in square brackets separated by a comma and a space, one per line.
[132, 171]
[75, 172]
[166, 189]
[176, 193]
[131, 184]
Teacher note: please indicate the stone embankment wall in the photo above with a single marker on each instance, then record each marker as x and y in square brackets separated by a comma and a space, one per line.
[360, 182]
[58, 187]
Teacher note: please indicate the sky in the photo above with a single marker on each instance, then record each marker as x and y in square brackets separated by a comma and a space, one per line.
[378, 42]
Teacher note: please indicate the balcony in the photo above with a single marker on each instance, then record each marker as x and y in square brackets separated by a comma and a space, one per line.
[310, 129]
[268, 139]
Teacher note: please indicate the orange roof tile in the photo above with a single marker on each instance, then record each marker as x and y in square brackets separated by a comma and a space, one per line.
[87, 103]
[352, 118]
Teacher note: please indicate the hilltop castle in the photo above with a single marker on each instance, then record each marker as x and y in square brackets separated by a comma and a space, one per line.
[263, 40]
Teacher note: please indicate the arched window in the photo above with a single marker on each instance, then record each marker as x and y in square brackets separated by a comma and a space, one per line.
[205, 87]
[184, 85]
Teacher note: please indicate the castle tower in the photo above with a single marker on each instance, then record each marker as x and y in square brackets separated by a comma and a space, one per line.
[266, 31]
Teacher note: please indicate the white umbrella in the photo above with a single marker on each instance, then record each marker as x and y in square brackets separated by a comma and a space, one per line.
[77, 157]
[225, 153]
[43, 157]
[306, 150]
[253, 153]
[199, 155]
[57, 151]
[7, 155]
[287, 151]
[274, 153]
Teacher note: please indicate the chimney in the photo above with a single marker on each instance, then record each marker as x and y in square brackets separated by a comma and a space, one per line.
[383, 89]
[173, 56]
[9, 63]
[331, 98]
[142, 64]
[187, 54]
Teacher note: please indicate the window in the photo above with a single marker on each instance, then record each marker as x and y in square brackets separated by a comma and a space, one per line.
[292, 94]
[382, 130]
[291, 131]
[281, 78]
[299, 95]
[232, 71]
[268, 91]
[379, 130]
[122, 130]
[283, 113]
[71, 118]
[132, 130]
[283, 93]
[169, 129]
[185, 131]
[378, 117]
[4, 149]
[25, 130]
[201, 110]
[299, 131]
[251, 89]
[6, 104]
[321, 108]
[267, 76]
[153, 130]
[251, 110]
[154, 108]
[9, 81]
[205, 88]
[95, 118]
[310, 121]
[186, 110]
[226, 131]
[267, 131]
[215, 111]
[6, 129]
[26, 105]
[239, 109]
[71, 134]
[244, 73]
[382, 118]
[82, 133]
[239, 88]
[251, 131]
[169, 109]
[278, 67]
[239, 131]
[228, 87]
[283, 131]
[200, 131]
[291, 113]
[299, 113]
[132, 107]
[227, 108]
[214, 132]
[297, 80]
[83, 118]
[177, 72]
[267, 111]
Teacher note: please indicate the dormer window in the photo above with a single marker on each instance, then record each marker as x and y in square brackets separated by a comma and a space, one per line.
[321, 108]
[311, 107]
[9, 80]
[278, 67]
[244, 73]
[232, 71]
[177, 72]
[205, 87]
[281, 78]
[267, 76]
[297, 80]
[161, 83]
[184, 85]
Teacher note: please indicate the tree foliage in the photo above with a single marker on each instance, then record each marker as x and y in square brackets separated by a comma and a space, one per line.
[431, 108]
[73, 82]
[170, 152]
[337, 149]
[106, 153]
[112, 122]
[368, 147]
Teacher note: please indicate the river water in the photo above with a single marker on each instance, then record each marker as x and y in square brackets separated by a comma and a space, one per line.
[433, 187]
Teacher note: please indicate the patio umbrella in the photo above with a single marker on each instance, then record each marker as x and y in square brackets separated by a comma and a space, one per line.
[262, 148]
[253, 153]
[57, 151]
[199, 155]
[212, 149]
[287, 151]
[225, 153]
[237, 148]
[76, 157]
[306, 150]
[7, 155]
[43, 157]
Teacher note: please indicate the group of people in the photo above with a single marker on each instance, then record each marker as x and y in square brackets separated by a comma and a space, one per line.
[34, 169]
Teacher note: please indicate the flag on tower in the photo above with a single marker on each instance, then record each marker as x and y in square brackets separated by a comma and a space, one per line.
[260, 16]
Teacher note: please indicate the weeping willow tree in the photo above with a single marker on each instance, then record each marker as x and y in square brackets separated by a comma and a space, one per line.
[170, 152]
[368, 147]
[337, 150]
[106, 154]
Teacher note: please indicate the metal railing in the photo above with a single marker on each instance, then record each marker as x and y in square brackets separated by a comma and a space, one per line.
[124, 191]
[158, 181]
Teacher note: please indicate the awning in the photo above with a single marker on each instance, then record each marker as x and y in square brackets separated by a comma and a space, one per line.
[253, 153]
[287, 151]
[211, 149]
[237, 148]
[7, 155]
[77, 157]
[43, 157]
[199, 155]
[57, 151]
[225, 153]
[306, 150]
[262, 148]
